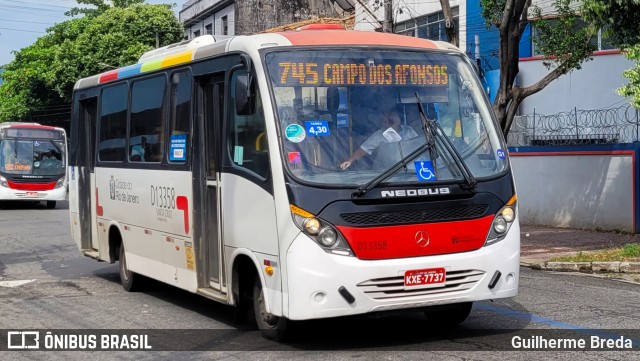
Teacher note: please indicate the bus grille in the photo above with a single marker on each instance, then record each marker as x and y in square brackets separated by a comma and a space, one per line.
[423, 216]
[393, 287]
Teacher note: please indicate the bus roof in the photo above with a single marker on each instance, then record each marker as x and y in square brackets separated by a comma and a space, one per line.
[208, 45]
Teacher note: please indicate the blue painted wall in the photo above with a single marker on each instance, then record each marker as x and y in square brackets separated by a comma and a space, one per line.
[489, 39]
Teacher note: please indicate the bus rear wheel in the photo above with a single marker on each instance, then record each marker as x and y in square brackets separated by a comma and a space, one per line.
[272, 327]
[51, 204]
[455, 315]
[130, 281]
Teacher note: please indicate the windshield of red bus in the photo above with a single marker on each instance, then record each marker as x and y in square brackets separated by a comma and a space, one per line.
[347, 116]
[32, 157]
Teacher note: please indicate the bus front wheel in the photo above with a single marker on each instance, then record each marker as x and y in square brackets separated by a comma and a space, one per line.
[129, 280]
[457, 314]
[272, 327]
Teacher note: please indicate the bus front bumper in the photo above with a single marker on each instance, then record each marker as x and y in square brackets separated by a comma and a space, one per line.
[8, 194]
[317, 280]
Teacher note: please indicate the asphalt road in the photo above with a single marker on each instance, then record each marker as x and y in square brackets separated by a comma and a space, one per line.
[46, 284]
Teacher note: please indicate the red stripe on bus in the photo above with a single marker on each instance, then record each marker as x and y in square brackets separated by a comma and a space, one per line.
[108, 76]
[347, 37]
[31, 126]
[182, 203]
[99, 209]
[416, 240]
[31, 186]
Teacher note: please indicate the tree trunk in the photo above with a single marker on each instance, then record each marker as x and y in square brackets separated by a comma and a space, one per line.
[450, 25]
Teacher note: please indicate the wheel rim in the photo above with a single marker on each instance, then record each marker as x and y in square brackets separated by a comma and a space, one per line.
[270, 320]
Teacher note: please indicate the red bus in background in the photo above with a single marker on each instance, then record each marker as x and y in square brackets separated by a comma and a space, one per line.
[33, 163]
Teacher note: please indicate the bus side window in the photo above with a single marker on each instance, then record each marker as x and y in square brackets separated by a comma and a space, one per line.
[180, 116]
[247, 138]
[146, 127]
[113, 123]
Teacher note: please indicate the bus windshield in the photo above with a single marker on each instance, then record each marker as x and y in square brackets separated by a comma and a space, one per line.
[345, 117]
[33, 157]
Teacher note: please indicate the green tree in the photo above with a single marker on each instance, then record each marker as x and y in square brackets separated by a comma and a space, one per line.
[620, 19]
[44, 73]
[98, 7]
[564, 44]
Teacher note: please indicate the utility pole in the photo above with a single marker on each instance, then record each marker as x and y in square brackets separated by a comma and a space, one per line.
[387, 24]
[449, 25]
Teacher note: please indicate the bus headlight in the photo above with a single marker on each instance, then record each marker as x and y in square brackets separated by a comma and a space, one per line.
[327, 237]
[311, 226]
[60, 183]
[500, 225]
[321, 232]
[3, 182]
[502, 222]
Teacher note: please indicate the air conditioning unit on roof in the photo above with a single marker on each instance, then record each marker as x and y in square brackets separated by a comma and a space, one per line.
[176, 48]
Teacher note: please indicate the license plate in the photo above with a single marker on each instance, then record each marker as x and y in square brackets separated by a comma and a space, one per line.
[32, 194]
[424, 277]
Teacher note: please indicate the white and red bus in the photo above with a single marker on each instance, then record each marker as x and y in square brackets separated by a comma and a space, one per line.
[33, 163]
[301, 175]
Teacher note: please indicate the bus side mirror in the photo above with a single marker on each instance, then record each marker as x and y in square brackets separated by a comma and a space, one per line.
[245, 95]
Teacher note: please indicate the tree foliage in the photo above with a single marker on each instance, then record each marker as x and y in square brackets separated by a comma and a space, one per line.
[44, 73]
[620, 19]
[565, 47]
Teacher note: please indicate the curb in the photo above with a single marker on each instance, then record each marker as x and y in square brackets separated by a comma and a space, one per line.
[592, 267]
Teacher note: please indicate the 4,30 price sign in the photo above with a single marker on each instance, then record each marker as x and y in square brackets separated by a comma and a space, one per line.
[317, 128]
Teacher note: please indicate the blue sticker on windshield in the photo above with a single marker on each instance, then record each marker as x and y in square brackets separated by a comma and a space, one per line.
[317, 128]
[500, 153]
[424, 170]
[178, 148]
[294, 133]
[343, 120]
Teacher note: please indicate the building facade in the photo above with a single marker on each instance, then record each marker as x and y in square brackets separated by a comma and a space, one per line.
[592, 87]
[230, 17]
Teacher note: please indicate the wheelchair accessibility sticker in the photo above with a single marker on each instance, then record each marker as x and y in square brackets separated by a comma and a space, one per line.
[424, 170]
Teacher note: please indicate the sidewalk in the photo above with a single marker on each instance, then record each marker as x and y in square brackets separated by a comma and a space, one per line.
[541, 244]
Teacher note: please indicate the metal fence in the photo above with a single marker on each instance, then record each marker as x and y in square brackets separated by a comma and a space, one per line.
[597, 126]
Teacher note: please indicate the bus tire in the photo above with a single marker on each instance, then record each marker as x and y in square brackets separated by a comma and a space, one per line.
[271, 327]
[130, 281]
[450, 316]
[51, 204]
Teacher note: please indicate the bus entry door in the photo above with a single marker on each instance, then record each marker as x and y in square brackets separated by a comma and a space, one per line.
[213, 109]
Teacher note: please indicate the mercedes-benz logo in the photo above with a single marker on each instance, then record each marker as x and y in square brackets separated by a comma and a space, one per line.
[422, 239]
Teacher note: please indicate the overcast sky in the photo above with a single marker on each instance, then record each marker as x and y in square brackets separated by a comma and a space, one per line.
[24, 21]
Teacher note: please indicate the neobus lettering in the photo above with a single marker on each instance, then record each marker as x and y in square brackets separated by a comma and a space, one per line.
[415, 192]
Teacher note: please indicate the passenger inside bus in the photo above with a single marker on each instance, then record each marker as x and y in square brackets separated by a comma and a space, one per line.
[138, 151]
[390, 129]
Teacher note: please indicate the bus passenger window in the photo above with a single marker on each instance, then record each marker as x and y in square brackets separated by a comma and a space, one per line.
[247, 138]
[180, 116]
[113, 123]
[146, 127]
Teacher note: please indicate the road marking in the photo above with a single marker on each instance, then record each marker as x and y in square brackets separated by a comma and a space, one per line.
[16, 283]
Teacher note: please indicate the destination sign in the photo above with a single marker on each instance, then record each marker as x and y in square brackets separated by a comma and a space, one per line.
[33, 133]
[307, 73]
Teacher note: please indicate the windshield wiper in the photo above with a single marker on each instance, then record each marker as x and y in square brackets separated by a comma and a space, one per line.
[433, 129]
[396, 167]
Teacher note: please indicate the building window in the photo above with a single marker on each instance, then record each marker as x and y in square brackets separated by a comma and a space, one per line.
[208, 29]
[225, 25]
[196, 33]
[430, 26]
[599, 40]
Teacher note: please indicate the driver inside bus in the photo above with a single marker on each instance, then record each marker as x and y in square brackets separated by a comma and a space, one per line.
[391, 129]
